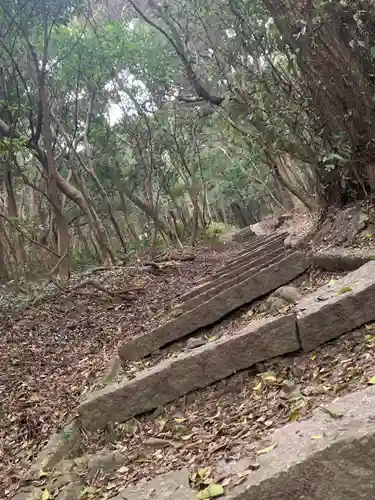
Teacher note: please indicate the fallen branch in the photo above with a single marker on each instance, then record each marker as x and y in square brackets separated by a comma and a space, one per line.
[101, 288]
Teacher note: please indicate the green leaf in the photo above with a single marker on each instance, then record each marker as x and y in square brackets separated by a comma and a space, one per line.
[266, 450]
[344, 289]
[373, 52]
[212, 491]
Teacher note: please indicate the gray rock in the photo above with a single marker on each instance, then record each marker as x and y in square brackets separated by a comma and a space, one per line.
[337, 308]
[321, 458]
[170, 486]
[189, 371]
[288, 386]
[288, 293]
[341, 259]
[277, 305]
[194, 342]
[105, 461]
[70, 492]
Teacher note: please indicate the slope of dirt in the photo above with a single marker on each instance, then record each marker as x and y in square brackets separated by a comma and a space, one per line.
[53, 352]
[234, 418]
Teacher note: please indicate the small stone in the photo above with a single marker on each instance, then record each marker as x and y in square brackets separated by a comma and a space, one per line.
[288, 293]
[58, 481]
[278, 305]
[130, 427]
[288, 386]
[70, 492]
[358, 348]
[180, 430]
[298, 371]
[105, 461]
[156, 443]
[194, 342]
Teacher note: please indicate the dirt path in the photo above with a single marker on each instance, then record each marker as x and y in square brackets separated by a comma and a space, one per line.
[52, 353]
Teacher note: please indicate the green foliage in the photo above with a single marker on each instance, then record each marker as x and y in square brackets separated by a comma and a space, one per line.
[83, 258]
[216, 230]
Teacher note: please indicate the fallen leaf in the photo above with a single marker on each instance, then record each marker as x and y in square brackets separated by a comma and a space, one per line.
[269, 377]
[371, 381]
[212, 491]
[313, 357]
[266, 450]
[45, 495]
[187, 437]
[180, 420]
[162, 424]
[225, 481]
[258, 387]
[293, 416]
[43, 473]
[344, 289]
[317, 437]
[203, 472]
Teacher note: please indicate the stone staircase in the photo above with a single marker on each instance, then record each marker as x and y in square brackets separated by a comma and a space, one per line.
[260, 267]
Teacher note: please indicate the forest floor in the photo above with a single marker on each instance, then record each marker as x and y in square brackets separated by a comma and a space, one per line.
[55, 350]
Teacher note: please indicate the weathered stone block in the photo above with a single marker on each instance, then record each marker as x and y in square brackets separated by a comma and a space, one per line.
[318, 459]
[337, 308]
[221, 283]
[238, 292]
[341, 259]
[244, 234]
[258, 242]
[261, 250]
[175, 377]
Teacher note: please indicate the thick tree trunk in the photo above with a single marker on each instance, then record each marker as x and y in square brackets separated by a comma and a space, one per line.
[339, 78]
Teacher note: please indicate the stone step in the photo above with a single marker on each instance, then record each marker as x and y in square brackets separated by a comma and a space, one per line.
[240, 290]
[256, 252]
[244, 234]
[321, 458]
[260, 241]
[205, 292]
[337, 308]
[341, 259]
[173, 378]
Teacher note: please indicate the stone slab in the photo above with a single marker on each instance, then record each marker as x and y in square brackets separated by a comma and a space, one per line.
[60, 445]
[317, 459]
[205, 292]
[197, 369]
[268, 246]
[260, 241]
[244, 234]
[242, 292]
[242, 258]
[342, 260]
[170, 486]
[337, 308]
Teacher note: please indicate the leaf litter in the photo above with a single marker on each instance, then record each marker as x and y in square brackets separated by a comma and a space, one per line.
[235, 418]
[56, 350]
[53, 352]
